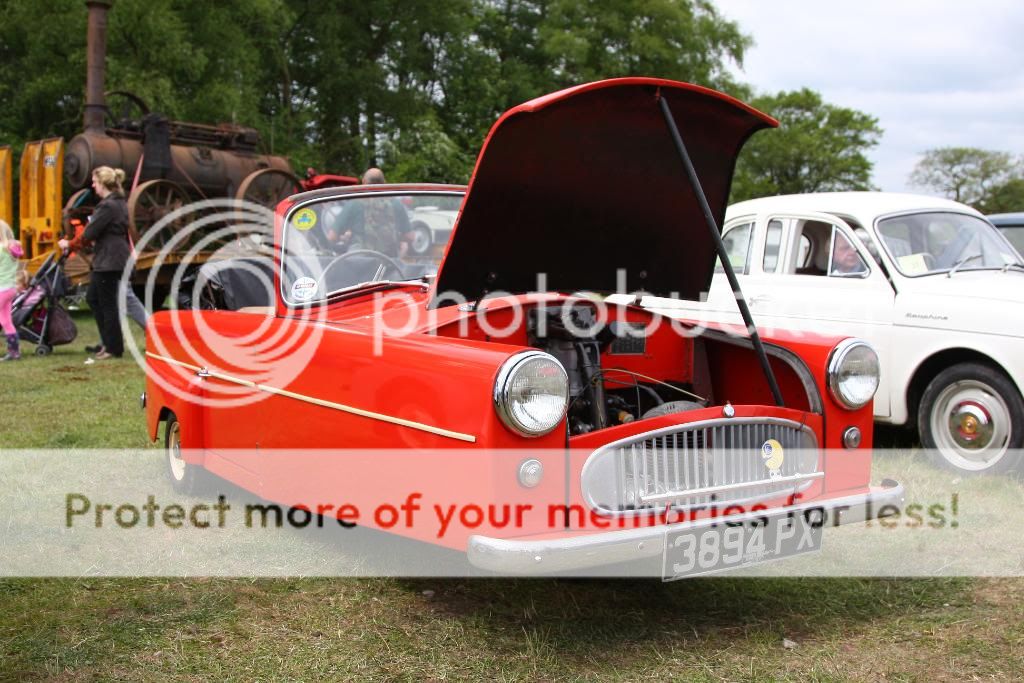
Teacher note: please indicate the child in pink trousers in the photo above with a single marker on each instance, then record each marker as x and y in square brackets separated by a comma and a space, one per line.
[10, 252]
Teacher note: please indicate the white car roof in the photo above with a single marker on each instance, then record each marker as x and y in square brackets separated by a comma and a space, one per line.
[864, 206]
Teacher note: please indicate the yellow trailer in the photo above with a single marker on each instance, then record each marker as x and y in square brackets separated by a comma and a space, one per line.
[6, 187]
[41, 188]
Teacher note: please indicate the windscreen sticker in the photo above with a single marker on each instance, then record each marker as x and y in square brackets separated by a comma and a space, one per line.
[913, 264]
[304, 219]
[304, 289]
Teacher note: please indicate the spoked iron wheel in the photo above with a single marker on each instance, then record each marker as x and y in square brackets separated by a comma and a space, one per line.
[78, 206]
[150, 203]
[124, 109]
[266, 187]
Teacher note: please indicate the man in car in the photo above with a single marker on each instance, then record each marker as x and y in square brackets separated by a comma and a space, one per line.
[379, 224]
[845, 259]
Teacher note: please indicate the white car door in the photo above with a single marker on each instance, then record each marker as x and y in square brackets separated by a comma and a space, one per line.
[823, 281]
[790, 272]
[755, 251]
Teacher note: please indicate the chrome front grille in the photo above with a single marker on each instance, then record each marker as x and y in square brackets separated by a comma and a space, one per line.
[700, 464]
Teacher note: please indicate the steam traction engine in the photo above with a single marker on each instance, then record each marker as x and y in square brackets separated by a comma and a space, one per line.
[167, 164]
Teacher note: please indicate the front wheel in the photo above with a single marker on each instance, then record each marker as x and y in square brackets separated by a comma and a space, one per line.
[185, 477]
[972, 418]
[421, 238]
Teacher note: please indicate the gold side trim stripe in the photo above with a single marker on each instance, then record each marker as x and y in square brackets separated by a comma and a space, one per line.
[320, 402]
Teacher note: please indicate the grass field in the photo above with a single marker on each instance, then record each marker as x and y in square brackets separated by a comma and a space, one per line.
[455, 629]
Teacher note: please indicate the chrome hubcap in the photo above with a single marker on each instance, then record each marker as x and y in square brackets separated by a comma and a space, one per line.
[971, 424]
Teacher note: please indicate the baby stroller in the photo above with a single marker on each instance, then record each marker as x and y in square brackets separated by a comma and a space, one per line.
[37, 315]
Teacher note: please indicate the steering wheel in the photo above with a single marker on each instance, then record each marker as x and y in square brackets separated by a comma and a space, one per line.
[383, 260]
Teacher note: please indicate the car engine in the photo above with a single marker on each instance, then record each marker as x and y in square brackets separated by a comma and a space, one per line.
[578, 339]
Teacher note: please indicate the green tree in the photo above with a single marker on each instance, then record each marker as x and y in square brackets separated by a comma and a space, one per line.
[979, 177]
[1004, 198]
[593, 39]
[42, 69]
[367, 70]
[520, 49]
[193, 61]
[424, 150]
[818, 147]
[341, 85]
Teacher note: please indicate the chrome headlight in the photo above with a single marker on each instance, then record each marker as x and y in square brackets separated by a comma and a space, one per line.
[853, 372]
[531, 393]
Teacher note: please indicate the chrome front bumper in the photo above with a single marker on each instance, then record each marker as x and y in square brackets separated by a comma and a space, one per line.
[546, 556]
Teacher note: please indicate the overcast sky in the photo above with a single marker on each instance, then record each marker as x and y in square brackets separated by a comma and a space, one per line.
[935, 74]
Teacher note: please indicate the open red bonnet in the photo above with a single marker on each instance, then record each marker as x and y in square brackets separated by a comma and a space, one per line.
[584, 183]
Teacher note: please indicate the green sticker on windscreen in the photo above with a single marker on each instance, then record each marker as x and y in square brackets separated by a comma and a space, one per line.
[304, 219]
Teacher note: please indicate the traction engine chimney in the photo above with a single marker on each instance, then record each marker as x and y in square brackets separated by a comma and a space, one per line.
[96, 67]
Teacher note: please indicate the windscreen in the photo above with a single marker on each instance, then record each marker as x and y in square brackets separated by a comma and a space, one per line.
[344, 243]
[937, 242]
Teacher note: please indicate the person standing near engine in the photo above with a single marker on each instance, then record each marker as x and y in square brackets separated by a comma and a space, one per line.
[134, 307]
[10, 252]
[108, 230]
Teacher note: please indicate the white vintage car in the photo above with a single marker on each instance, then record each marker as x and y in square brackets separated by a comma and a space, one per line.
[431, 226]
[934, 287]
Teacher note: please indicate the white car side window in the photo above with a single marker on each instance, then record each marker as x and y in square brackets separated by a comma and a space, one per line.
[845, 261]
[737, 247]
[812, 246]
[772, 246]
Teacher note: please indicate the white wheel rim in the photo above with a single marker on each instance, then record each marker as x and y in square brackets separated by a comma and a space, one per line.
[420, 239]
[971, 425]
[174, 460]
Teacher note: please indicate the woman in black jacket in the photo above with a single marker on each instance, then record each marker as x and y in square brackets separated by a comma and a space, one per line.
[108, 230]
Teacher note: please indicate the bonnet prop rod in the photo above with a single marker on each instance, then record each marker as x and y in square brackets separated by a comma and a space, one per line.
[716, 237]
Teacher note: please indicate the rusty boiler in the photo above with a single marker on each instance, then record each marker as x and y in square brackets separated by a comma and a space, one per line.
[205, 161]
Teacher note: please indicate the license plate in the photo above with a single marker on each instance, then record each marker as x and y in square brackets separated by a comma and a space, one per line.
[729, 545]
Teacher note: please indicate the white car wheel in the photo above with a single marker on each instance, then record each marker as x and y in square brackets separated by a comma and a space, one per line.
[971, 416]
[185, 478]
[175, 464]
[421, 239]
